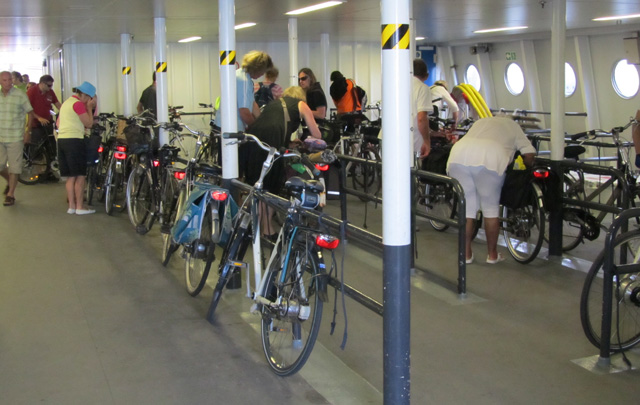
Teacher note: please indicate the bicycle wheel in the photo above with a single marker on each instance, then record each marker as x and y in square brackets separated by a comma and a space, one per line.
[290, 326]
[572, 227]
[233, 253]
[625, 306]
[33, 169]
[91, 184]
[140, 199]
[366, 177]
[523, 228]
[186, 143]
[168, 245]
[441, 202]
[101, 175]
[199, 256]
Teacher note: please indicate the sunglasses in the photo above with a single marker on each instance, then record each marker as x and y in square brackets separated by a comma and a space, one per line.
[303, 78]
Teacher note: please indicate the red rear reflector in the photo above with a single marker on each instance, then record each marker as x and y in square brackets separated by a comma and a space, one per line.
[327, 241]
[541, 174]
[100, 149]
[179, 175]
[121, 148]
[323, 167]
[156, 163]
[120, 155]
[219, 195]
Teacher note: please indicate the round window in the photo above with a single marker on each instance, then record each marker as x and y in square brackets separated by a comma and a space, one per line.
[625, 79]
[514, 79]
[472, 76]
[569, 80]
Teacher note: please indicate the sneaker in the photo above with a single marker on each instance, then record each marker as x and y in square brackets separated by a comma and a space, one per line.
[499, 259]
[85, 212]
[71, 211]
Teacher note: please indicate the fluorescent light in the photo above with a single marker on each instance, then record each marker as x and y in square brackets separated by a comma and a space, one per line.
[190, 39]
[244, 25]
[617, 17]
[420, 38]
[523, 27]
[315, 7]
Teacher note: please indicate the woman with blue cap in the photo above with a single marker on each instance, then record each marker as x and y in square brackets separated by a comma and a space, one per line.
[75, 115]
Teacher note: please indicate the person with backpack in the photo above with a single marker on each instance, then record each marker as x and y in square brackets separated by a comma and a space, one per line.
[267, 90]
[346, 95]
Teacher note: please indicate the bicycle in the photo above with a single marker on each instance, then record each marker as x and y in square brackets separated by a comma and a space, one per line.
[151, 188]
[40, 160]
[97, 169]
[290, 292]
[117, 171]
[578, 223]
[625, 328]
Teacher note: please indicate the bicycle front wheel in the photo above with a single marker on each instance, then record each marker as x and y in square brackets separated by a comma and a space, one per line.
[290, 325]
[625, 305]
[140, 199]
[199, 257]
[33, 168]
[523, 228]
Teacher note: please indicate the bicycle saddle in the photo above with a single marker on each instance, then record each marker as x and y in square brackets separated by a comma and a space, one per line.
[296, 184]
[573, 151]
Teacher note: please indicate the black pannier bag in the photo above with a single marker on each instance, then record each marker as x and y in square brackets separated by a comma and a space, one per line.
[516, 190]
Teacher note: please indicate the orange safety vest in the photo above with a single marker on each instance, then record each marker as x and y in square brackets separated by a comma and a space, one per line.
[349, 102]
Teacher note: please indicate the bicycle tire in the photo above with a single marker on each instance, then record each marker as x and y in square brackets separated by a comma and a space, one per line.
[33, 169]
[440, 201]
[140, 199]
[365, 177]
[168, 245]
[288, 336]
[91, 184]
[185, 142]
[523, 228]
[235, 251]
[101, 171]
[572, 229]
[626, 334]
[199, 257]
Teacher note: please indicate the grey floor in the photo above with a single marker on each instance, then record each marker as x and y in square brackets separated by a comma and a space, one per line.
[89, 316]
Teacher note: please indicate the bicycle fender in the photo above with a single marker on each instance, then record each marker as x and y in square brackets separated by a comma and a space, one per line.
[323, 279]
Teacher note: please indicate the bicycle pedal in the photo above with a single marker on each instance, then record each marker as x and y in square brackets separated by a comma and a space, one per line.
[241, 265]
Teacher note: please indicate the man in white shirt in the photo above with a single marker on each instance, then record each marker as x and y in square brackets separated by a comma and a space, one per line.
[441, 95]
[421, 107]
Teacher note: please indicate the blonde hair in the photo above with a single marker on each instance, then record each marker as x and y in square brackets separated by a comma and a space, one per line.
[256, 63]
[295, 92]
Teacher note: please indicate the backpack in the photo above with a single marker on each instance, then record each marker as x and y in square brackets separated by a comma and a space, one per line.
[360, 95]
[264, 94]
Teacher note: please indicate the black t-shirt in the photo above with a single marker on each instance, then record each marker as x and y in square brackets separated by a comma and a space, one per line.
[148, 100]
[316, 97]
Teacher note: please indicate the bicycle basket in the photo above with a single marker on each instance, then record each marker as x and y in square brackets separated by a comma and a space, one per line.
[138, 139]
[168, 155]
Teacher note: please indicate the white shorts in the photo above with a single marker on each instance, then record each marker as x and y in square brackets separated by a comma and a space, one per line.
[481, 187]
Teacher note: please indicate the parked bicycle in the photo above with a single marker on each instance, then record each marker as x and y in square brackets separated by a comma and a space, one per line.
[290, 292]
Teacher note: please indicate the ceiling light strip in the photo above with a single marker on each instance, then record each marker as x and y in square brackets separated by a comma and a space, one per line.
[617, 17]
[523, 27]
[314, 7]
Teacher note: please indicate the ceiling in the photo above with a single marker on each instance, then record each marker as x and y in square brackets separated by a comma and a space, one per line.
[42, 25]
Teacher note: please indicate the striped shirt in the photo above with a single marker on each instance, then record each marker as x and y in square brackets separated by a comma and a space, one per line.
[13, 109]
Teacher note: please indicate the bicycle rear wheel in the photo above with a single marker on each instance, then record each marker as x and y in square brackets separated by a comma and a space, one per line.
[290, 326]
[572, 226]
[33, 168]
[199, 256]
[140, 199]
[91, 183]
[523, 228]
[625, 305]
[441, 202]
[366, 177]
[168, 245]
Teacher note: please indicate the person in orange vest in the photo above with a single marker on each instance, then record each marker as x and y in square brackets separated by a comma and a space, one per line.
[344, 94]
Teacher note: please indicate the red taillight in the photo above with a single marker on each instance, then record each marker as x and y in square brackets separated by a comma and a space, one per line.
[179, 175]
[541, 173]
[219, 195]
[100, 149]
[323, 167]
[156, 163]
[327, 241]
[121, 148]
[120, 155]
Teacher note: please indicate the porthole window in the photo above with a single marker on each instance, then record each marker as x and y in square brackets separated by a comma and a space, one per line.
[472, 77]
[514, 79]
[625, 79]
[569, 80]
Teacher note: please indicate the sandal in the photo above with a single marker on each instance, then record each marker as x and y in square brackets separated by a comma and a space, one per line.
[8, 200]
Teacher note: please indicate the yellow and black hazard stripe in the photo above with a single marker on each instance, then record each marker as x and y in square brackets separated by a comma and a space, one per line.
[395, 36]
[227, 57]
[126, 70]
[161, 67]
